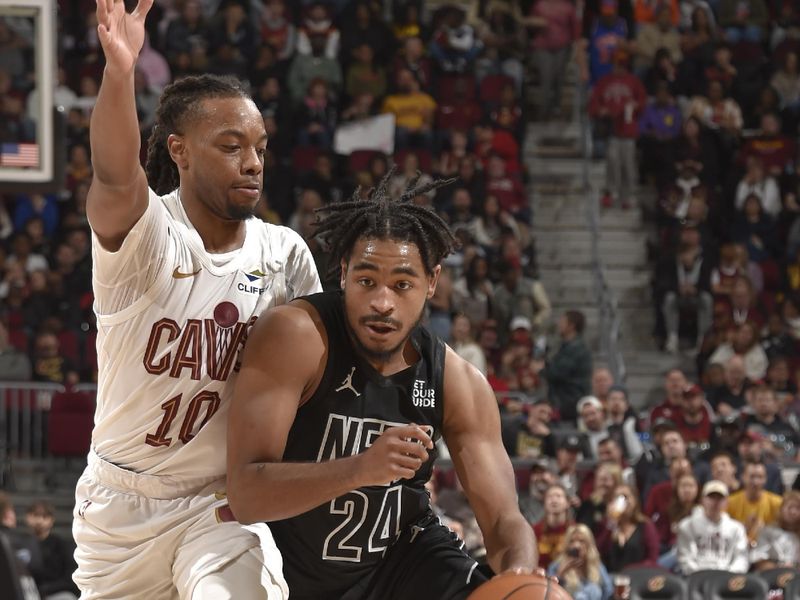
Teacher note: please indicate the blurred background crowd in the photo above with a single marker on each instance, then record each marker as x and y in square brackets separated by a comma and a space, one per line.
[698, 100]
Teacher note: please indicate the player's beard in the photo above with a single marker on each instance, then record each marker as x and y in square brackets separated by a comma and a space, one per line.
[379, 356]
[239, 213]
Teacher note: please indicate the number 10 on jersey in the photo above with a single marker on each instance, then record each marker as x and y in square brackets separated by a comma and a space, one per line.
[205, 399]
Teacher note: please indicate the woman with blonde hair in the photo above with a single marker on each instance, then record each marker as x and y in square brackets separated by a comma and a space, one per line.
[578, 566]
[592, 511]
[778, 545]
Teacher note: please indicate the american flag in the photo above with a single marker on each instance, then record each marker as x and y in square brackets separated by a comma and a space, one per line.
[19, 155]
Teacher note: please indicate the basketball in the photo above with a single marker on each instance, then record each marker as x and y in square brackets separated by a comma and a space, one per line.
[520, 587]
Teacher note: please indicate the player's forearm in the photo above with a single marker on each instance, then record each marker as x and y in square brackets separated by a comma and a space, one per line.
[511, 545]
[114, 131]
[273, 491]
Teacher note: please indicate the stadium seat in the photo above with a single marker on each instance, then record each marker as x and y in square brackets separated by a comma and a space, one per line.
[69, 345]
[303, 158]
[458, 116]
[735, 586]
[359, 160]
[697, 580]
[19, 339]
[453, 89]
[792, 589]
[655, 584]
[779, 579]
[491, 86]
[70, 424]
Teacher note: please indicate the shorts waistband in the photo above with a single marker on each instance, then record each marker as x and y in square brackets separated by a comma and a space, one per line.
[162, 487]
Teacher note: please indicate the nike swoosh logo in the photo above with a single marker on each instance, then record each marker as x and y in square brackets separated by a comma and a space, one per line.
[178, 275]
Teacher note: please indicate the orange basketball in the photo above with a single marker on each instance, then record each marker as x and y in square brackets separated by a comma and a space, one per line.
[520, 587]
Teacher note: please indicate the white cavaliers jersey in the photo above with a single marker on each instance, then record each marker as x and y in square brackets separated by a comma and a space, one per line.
[171, 321]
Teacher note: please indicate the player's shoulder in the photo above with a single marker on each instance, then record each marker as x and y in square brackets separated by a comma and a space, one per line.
[277, 236]
[460, 374]
[290, 322]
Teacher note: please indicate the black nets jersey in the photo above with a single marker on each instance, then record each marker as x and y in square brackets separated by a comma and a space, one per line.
[328, 549]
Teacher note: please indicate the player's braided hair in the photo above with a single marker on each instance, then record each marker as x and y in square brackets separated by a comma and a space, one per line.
[380, 216]
[179, 104]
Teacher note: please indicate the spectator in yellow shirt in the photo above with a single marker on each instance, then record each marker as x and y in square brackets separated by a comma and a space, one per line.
[413, 111]
[753, 506]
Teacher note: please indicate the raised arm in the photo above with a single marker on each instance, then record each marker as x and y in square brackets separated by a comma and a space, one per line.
[118, 194]
[283, 361]
[472, 433]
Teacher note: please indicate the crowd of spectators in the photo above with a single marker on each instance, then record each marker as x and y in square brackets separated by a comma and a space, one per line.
[701, 99]
[451, 78]
[683, 486]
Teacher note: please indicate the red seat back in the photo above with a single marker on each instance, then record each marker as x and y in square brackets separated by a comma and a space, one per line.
[70, 425]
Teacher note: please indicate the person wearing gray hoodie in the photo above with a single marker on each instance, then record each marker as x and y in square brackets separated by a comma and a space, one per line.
[709, 538]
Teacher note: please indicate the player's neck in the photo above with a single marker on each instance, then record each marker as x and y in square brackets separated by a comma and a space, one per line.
[397, 362]
[218, 235]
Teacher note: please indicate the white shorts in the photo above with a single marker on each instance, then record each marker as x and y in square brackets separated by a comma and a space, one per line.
[154, 538]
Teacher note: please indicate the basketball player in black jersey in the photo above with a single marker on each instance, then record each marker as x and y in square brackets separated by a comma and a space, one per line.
[339, 401]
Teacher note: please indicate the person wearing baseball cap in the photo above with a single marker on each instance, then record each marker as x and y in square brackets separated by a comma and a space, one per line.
[709, 538]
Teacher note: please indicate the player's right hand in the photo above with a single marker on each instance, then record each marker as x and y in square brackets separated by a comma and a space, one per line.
[121, 34]
[397, 454]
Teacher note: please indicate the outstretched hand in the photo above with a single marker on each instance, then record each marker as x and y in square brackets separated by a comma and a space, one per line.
[121, 34]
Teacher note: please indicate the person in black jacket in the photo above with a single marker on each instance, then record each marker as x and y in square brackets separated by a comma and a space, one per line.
[569, 371]
[55, 579]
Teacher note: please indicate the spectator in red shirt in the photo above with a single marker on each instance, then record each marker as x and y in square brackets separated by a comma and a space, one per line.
[490, 142]
[552, 529]
[674, 384]
[694, 419]
[507, 189]
[620, 98]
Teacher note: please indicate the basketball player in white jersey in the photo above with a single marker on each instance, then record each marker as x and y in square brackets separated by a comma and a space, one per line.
[180, 273]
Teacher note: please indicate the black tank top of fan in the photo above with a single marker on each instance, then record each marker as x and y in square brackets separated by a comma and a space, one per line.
[327, 549]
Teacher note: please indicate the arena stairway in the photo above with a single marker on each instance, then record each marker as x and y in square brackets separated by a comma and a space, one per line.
[563, 239]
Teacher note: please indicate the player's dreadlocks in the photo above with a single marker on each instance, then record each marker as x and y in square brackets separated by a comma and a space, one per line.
[178, 106]
[380, 216]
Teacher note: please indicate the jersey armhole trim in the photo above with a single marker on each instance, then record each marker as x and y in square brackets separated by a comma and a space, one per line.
[160, 285]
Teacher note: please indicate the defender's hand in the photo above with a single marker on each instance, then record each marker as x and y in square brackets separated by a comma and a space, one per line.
[121, 34]
[397, 454]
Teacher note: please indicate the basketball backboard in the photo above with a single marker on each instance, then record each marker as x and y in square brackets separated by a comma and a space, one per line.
[29, 150]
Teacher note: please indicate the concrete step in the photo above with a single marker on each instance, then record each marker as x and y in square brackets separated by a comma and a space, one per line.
[554, 219]
[572, 295]
[576, 255]
[581, 276]
[611, 237]
[584, 244]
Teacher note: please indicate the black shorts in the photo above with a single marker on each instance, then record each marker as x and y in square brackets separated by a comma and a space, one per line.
[427, 562]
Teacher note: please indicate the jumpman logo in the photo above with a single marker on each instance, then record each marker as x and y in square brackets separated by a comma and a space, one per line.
[347, 384]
